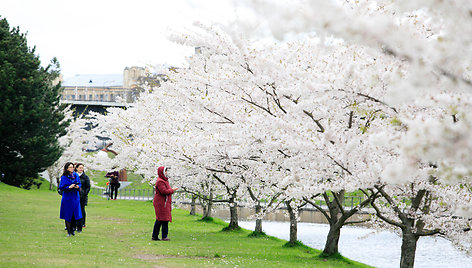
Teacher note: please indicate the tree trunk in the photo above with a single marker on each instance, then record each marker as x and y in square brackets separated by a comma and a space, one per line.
[258, 228]
[204, 208]
[233, 224]
[50, 174]
[192, 208]
[50, 180]
[335, 223]
[409, 241]
[332, 241]
[50, 183]
[233, 210]
[293, 224]
[209, 208]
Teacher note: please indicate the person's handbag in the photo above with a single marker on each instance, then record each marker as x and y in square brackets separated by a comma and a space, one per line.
[60, 191]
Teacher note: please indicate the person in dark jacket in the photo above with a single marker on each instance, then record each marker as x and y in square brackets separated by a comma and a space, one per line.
[83, 192]
[162, 205]
[70, 202]
[114, 183]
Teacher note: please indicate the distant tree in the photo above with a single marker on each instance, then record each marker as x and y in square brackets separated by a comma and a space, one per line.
[31, 117]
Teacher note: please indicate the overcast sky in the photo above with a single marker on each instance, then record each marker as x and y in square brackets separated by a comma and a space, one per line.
[105, 36]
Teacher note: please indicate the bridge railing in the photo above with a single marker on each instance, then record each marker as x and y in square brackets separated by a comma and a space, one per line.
[91, 94]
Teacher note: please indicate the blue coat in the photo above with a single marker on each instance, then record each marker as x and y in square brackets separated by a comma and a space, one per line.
[70, 203]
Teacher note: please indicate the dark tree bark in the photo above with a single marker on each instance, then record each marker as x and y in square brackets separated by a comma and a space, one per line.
[233, 209]
[409, 241]
[258, 228]
[335, 222]
[207, 206]
[332, 241]
[293, 223]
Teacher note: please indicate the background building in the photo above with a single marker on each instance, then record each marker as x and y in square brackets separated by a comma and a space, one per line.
[104, 87]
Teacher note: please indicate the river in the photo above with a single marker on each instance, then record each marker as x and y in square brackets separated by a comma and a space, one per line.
[379, 249]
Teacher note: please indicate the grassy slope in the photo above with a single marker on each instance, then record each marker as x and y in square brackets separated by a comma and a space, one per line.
[118, 234]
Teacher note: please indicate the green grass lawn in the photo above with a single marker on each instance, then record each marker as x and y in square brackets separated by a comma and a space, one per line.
[118, 233]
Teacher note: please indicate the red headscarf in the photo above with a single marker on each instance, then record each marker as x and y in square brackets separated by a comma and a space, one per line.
[160, 173]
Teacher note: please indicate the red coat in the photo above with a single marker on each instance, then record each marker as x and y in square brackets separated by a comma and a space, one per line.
[163, 197]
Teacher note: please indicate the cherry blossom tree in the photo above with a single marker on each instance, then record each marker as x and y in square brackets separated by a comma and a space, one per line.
[430, 95]
[304, 113]
[72, 143]
[433, 37]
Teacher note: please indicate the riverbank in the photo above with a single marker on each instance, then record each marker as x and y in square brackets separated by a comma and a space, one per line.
[118, 234]
[379, 249]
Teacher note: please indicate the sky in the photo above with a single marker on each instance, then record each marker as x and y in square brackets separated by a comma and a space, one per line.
[104, 37]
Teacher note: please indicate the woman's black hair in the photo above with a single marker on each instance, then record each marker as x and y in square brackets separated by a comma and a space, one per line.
[65, 172]
[77, 165]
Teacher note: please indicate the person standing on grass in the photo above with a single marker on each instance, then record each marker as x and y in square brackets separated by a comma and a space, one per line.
[83, 192]
[114, 183]
[70, 202]
[162, 204]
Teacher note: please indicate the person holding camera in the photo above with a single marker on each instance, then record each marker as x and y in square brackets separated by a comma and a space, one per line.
[162, 205]
[70, 202]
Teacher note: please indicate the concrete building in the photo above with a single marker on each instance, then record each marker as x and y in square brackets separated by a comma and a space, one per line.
[104, 87]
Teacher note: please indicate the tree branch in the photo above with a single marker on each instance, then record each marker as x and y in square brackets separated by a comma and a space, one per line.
[429, 233]
[224, 117]
[285, 155]
[387, 220]
[206, 198]
[351, 114]
[341, 206]
[341, 166]
[317, 122]
[320, 209]
[400, 214]
[258, 106]
[355, 222]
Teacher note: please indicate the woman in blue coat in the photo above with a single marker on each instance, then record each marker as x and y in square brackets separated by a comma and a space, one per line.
[70, 203]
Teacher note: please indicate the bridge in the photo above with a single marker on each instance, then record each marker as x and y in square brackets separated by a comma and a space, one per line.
[83, 107]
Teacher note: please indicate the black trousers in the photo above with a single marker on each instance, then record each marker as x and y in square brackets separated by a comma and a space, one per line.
[81, 222]
[113, 188]
[71, 225]
[74, 224]
[157, 227]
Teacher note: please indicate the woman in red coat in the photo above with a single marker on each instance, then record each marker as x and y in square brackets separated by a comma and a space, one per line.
[162, 204]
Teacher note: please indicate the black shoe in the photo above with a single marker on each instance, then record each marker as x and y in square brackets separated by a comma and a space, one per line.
[166, 239]
[155, 239]
[73, 233]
